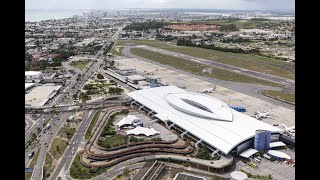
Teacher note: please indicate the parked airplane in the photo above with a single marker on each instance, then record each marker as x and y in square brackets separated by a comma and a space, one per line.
[289, 129]
[208, 90]
[264, 114]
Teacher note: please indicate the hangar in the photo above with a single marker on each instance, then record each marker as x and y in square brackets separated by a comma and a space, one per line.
[204, 118]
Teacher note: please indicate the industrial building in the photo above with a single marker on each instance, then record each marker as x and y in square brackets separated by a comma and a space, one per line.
[33, 76]
[39, 95]
[205, 119]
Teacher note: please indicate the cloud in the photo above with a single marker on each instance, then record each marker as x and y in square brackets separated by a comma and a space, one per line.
[206, 4]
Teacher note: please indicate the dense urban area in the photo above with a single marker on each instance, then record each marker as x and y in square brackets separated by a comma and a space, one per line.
[166, 94]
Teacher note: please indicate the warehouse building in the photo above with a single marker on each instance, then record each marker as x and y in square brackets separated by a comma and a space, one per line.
[202, 118]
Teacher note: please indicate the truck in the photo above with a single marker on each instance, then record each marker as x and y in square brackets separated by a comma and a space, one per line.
[48, 126]
[31, 154]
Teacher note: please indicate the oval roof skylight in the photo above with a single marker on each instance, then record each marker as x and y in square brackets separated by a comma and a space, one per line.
[200, 105]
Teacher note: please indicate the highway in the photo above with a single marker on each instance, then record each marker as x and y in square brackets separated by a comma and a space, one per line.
[30, 122]
[52, 132]
[71, 88]
[68, 155]
[245, 88]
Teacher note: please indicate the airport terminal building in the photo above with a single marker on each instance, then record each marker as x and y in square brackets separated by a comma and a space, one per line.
[205, 119]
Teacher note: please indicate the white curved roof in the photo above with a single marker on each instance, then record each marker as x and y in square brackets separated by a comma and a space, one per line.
[127, 120]
[279, 154]
[142, 130]
[190, 102]
[223, 135]
[238, 175]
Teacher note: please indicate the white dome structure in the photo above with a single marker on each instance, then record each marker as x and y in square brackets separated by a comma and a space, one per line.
[238, 175]
[200, 105]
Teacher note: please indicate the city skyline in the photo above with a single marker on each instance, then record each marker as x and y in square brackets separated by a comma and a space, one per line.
[203, 4]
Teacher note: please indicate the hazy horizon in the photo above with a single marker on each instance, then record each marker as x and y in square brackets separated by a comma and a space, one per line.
[258, 5]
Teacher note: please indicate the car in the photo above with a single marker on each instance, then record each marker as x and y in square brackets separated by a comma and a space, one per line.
[73, 143]
[72, 152]
[76, 141]
[188, 159]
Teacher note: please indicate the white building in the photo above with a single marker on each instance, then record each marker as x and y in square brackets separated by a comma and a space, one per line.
[205, 119]
[33, 76]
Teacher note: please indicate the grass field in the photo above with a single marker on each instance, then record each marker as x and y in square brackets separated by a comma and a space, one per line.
[255, 63]
[78, 171]
[290, 97]
[92, 123]
[33, 162]
[197, 68]
[243, 23]
[58, 146]
[114, 141]
[48, 166]
[114, 52]
[79, 64]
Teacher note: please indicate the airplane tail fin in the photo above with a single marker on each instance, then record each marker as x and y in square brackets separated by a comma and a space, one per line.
[285, 126]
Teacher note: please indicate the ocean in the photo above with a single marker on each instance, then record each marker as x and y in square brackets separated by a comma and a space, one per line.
[39, 15]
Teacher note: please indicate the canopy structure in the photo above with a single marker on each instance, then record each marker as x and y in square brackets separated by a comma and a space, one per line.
[238, 175]
[142, 130]
[277, 144]
[127, 120]
[279, 154]
[249, 152]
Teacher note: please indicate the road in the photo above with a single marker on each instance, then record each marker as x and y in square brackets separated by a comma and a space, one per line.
[51, 133]
[245, 88]
[113, 170]
[30, 122]
[68, 155]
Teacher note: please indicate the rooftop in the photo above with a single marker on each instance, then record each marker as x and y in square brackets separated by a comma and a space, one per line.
[220, 130]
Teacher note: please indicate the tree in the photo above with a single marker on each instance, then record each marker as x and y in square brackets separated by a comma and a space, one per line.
[100, 76]
[115, 90]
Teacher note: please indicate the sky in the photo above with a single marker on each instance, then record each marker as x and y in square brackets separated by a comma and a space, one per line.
[201, 4]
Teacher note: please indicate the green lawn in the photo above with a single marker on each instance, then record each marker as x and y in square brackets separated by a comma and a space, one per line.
[79, 64]
[48, 166]
[197, 68]
[58, 147]
[66, 132]
[92, 123]
[114, 52]
[114, 141]
[246, 61]
[33, 162]
[290, 97]
[79, 171]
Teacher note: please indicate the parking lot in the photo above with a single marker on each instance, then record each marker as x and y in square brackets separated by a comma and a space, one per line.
[279, 170]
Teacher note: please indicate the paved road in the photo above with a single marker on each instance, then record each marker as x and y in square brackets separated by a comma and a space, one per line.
[245, 88]
[68, 155]
[30, 122]
[116, 172]
[113, 170]
[51, 133]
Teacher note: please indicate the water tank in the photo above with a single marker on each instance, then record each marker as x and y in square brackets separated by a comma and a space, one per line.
[259, 140]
